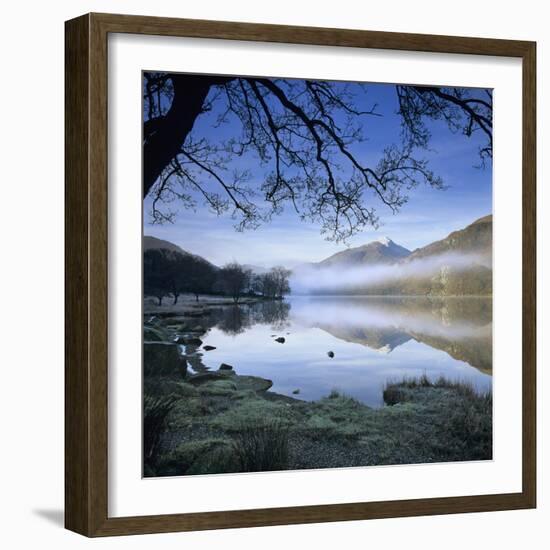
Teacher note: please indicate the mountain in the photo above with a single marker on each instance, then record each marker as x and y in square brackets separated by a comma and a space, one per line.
[382, 251]
[476, 238]
[458, 265]
[462, 263]
[152, 243]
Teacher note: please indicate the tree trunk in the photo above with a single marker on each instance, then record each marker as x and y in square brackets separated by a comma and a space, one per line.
[176, 296]
[196, 297]
[159, 298]
[164, 136]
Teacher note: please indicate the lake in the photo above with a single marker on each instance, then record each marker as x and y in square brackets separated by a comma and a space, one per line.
[374, 340]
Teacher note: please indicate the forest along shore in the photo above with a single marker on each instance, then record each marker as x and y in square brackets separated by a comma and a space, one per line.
[199, 421]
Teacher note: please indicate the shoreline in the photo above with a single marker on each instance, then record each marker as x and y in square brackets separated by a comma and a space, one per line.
[219, 421]
[212, 421]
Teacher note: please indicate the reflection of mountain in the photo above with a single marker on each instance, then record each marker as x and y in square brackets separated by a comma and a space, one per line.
[382, 340]
[477, 352]
[461, 327]
[474, 351]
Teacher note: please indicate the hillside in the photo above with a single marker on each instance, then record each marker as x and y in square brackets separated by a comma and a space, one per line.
[474, 238]
[383, 251]
[458, 265]
[153, 243]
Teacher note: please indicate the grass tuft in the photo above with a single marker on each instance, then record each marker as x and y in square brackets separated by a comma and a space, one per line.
[155, 413]
[262, 447]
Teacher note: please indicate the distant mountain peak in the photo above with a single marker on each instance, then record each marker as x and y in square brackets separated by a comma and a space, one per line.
[383, 250]
[386, 241]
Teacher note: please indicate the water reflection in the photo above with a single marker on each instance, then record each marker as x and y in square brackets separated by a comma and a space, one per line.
[462, 327]
[237, 318]
[373, 339]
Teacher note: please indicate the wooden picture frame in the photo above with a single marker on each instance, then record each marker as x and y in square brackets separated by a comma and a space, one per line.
[86, 360]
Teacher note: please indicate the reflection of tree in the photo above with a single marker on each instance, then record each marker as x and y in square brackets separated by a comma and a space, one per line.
[274, 313]
[234, 319]
[238, 318]
[305, 134]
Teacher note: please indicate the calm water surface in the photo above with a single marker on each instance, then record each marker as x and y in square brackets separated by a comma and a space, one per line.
[374, 340]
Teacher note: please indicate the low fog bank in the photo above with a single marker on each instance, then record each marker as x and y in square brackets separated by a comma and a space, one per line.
[342, 279]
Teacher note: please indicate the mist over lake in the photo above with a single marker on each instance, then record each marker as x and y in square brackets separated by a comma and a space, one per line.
[374, 340]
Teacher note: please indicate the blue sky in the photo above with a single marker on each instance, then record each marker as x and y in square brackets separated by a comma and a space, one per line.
[430, 214]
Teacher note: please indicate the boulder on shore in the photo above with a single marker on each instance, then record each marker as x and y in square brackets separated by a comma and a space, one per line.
[225, 366]
[189, 341]
[205, 377]
[163, 358]
[154, 334]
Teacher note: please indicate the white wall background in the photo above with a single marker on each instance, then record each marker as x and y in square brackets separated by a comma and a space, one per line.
[31, 233]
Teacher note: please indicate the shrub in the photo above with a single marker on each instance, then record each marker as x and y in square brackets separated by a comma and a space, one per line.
[155, 412]
[261, 447]
[206, 456]
[396, 391]
[469, 425]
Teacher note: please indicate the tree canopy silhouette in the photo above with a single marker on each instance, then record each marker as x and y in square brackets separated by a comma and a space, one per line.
[305, 135]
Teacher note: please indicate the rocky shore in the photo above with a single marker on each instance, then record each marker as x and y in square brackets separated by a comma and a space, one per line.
[201, 421]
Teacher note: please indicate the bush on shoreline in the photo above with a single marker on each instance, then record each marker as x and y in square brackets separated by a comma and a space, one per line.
[396, 391]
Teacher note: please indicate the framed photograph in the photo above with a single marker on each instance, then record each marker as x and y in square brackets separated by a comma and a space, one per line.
[300, 275]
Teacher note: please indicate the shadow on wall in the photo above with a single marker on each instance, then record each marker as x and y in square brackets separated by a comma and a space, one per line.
[57, 517]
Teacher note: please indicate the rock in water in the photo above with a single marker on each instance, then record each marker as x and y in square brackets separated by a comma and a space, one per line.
[208, 348]
[296, 392]
[281, 340]
[225, 366]
[163, 358]
[330, 354]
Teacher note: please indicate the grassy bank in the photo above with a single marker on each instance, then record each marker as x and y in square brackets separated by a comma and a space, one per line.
[198, 421]
[224, 422]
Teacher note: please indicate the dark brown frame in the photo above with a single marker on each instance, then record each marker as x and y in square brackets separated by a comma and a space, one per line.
[86, 274]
